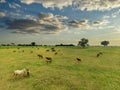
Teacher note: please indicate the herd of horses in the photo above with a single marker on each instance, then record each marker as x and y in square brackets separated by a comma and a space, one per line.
[26, 71]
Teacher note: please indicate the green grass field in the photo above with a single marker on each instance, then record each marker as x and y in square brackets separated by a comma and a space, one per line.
[65, 72]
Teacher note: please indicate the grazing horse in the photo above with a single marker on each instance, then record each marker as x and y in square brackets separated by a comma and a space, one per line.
[48, 59]
[40, 56]
[53, 50]
[47, 50]
[98, 54]
[56, 53]
[78, 59]
[22, 72]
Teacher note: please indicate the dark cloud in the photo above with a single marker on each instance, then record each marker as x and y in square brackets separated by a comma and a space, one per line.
[78, 24]
[73, 22]
[85, 24]
[21, 24]
[46, 23]
[96, 22]
[45, 16]
[102, 22]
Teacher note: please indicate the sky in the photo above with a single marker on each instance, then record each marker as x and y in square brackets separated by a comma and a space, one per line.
[59, 21]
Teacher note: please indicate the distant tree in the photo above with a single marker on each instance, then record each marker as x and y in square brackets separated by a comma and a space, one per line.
[3, 44]
[33, 43]
[19, 45]
[8, 45]
[61, 44]
[65, 45]
[105, 43]
[83, 42]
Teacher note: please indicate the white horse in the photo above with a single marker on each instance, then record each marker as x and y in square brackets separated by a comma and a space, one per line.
[21, 72]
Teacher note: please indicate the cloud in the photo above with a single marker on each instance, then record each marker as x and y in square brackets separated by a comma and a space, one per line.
[50, 3]
[79, 24]
[46, 23]
[61, 17]
[100, 23]
[117, 29]
[96, 4]
[2, 1]
[13, 14]
[14, 5]
[2, 14]
[30, 17]
[78, 4]
[106, 17]
[50, 22]
[20, 24]
[88, 25]
[115, 14]
[46, 16]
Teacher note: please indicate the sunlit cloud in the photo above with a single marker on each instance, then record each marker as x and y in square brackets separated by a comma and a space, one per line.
[96, 4]
[50, 3]
[2, 14]
[78, 4]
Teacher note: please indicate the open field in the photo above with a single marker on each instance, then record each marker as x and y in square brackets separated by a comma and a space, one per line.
[65, 72]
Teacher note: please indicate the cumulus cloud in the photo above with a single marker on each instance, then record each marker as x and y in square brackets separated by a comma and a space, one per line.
[50, 22]
[2, 14]
[88, 25]
[96, 4]
[78, 4]
[46, 23]
[50, 3]
[79, 24]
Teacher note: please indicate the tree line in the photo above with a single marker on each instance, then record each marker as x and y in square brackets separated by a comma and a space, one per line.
[83, 43]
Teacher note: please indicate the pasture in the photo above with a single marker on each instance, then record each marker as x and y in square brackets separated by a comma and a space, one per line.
[64, 72]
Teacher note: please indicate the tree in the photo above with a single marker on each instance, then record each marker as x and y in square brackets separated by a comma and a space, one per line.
[33, 43]
[83, 42]
[105, 43]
